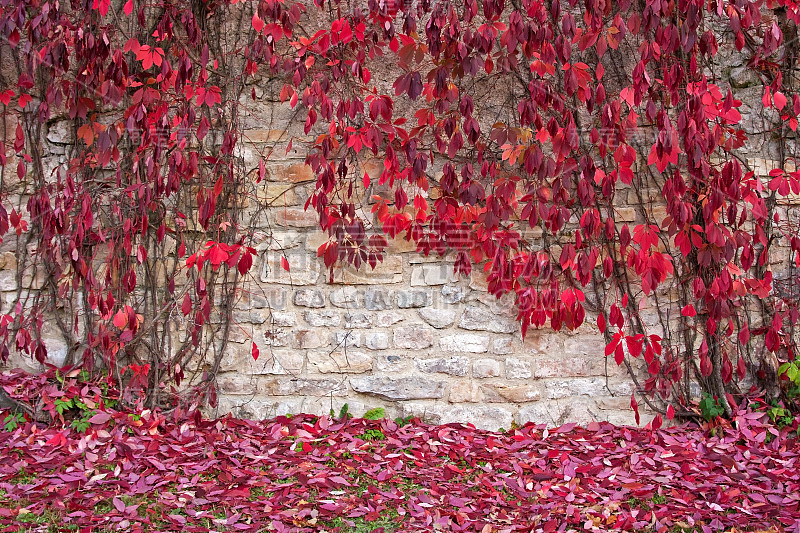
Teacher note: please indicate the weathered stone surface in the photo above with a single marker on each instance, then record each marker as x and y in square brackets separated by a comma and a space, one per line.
[438, 318]
[389, 271]
[452, 294]
[388, 319]
[276, 298]
[486, 368]
[562, 388]
[541, 342]
[454, 365]
[348, 297]
[519, 393]
[518, 368]
[239, 359]
[554, 413]
[560, 367]
[292, 172]
[61, 132]
[296, 217]
[309, 298]
[476, 318]
[357, 320]
[377, 340]
[274, 337]
[413, 337]
[502, 346]
[409, 388]
[391, 363]
[465, 391]
[414, 298]
[308, 339]
[585, 345]
[379, 299]
[464, 342]
[283, 319]
[303, 270]
[325, 317]
[236, 383]
[341, 361]
[433, 274]
[482, 417]
[311, 387]
[347, 339]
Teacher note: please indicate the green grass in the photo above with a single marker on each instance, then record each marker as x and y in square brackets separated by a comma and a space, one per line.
[388, 521]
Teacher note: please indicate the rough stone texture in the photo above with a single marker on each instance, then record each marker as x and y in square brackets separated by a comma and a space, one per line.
[309, 298]
[323, 318]
[413, 337]
[377, 340]
[438, 318]
[432, 274]
[379, 299]
[517, 368]
[486, 368]
[414, 298]
[339, 362]
[465, 342]
[455, 366]
[357, 320]
[475, 318]
[347, 297]
[408, 388]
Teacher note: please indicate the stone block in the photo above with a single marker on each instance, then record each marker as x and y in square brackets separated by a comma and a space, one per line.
[568, 388]
[323, 318]
[299, 386]
[476, 318]
[486, 368]
[388, 271]
[518, 393]
[465, 342]
[502, 346]
[358, 320]
[413, 337]
[454, 365]
[296, 217]
[486, 417]
[276, 298]
[347, 339]
[452, 294]
[554, 413]
[348, 298]
[339, 362]
[433, 274]
[585, 346]
[438, 318]
[561, 367]
[305, 339]
[379, 299]
[518, 368]
[465, 392]
[309, 298]
[291, 172]
[283, 319]
[377, 340]
[388, 319]
[391, 363]
[542, 342]
[412, 299]
[408, 388]
[303, 270]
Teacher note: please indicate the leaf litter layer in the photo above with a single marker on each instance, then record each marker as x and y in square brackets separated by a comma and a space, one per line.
[152, 472]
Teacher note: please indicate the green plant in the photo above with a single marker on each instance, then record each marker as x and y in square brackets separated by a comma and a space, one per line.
[344, 413]
[13, 421]
[377, 413]
[710, 407]
[403, 420]
[372, 434]
[779, 415]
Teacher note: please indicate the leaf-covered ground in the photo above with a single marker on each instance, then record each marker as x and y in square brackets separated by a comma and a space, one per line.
[186, 473]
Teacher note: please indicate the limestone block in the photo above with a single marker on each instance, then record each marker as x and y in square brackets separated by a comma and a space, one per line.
[347, 297]
[323, 318]
[477, 318]
[377, 340]
[379, 299]
[408, 388]
[388, 271]
[339, 362]
[518, 368]
[464, 342]
[438, 318]
[303, 269]
[433, 274]
[413, 337]
[414, 298]
[454, 365]
[486, 368]
[358, 320]
[309, 298]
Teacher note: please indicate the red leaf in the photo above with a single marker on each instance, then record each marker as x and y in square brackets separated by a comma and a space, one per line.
[635, 407]
[689, 311]
[100, 418]
[128, 7]
[255, 352]
[285, 264]
[670, 412]
[186, 306]
[121, 319]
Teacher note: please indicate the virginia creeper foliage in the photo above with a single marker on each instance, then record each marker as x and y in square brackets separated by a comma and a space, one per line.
[510, 136]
